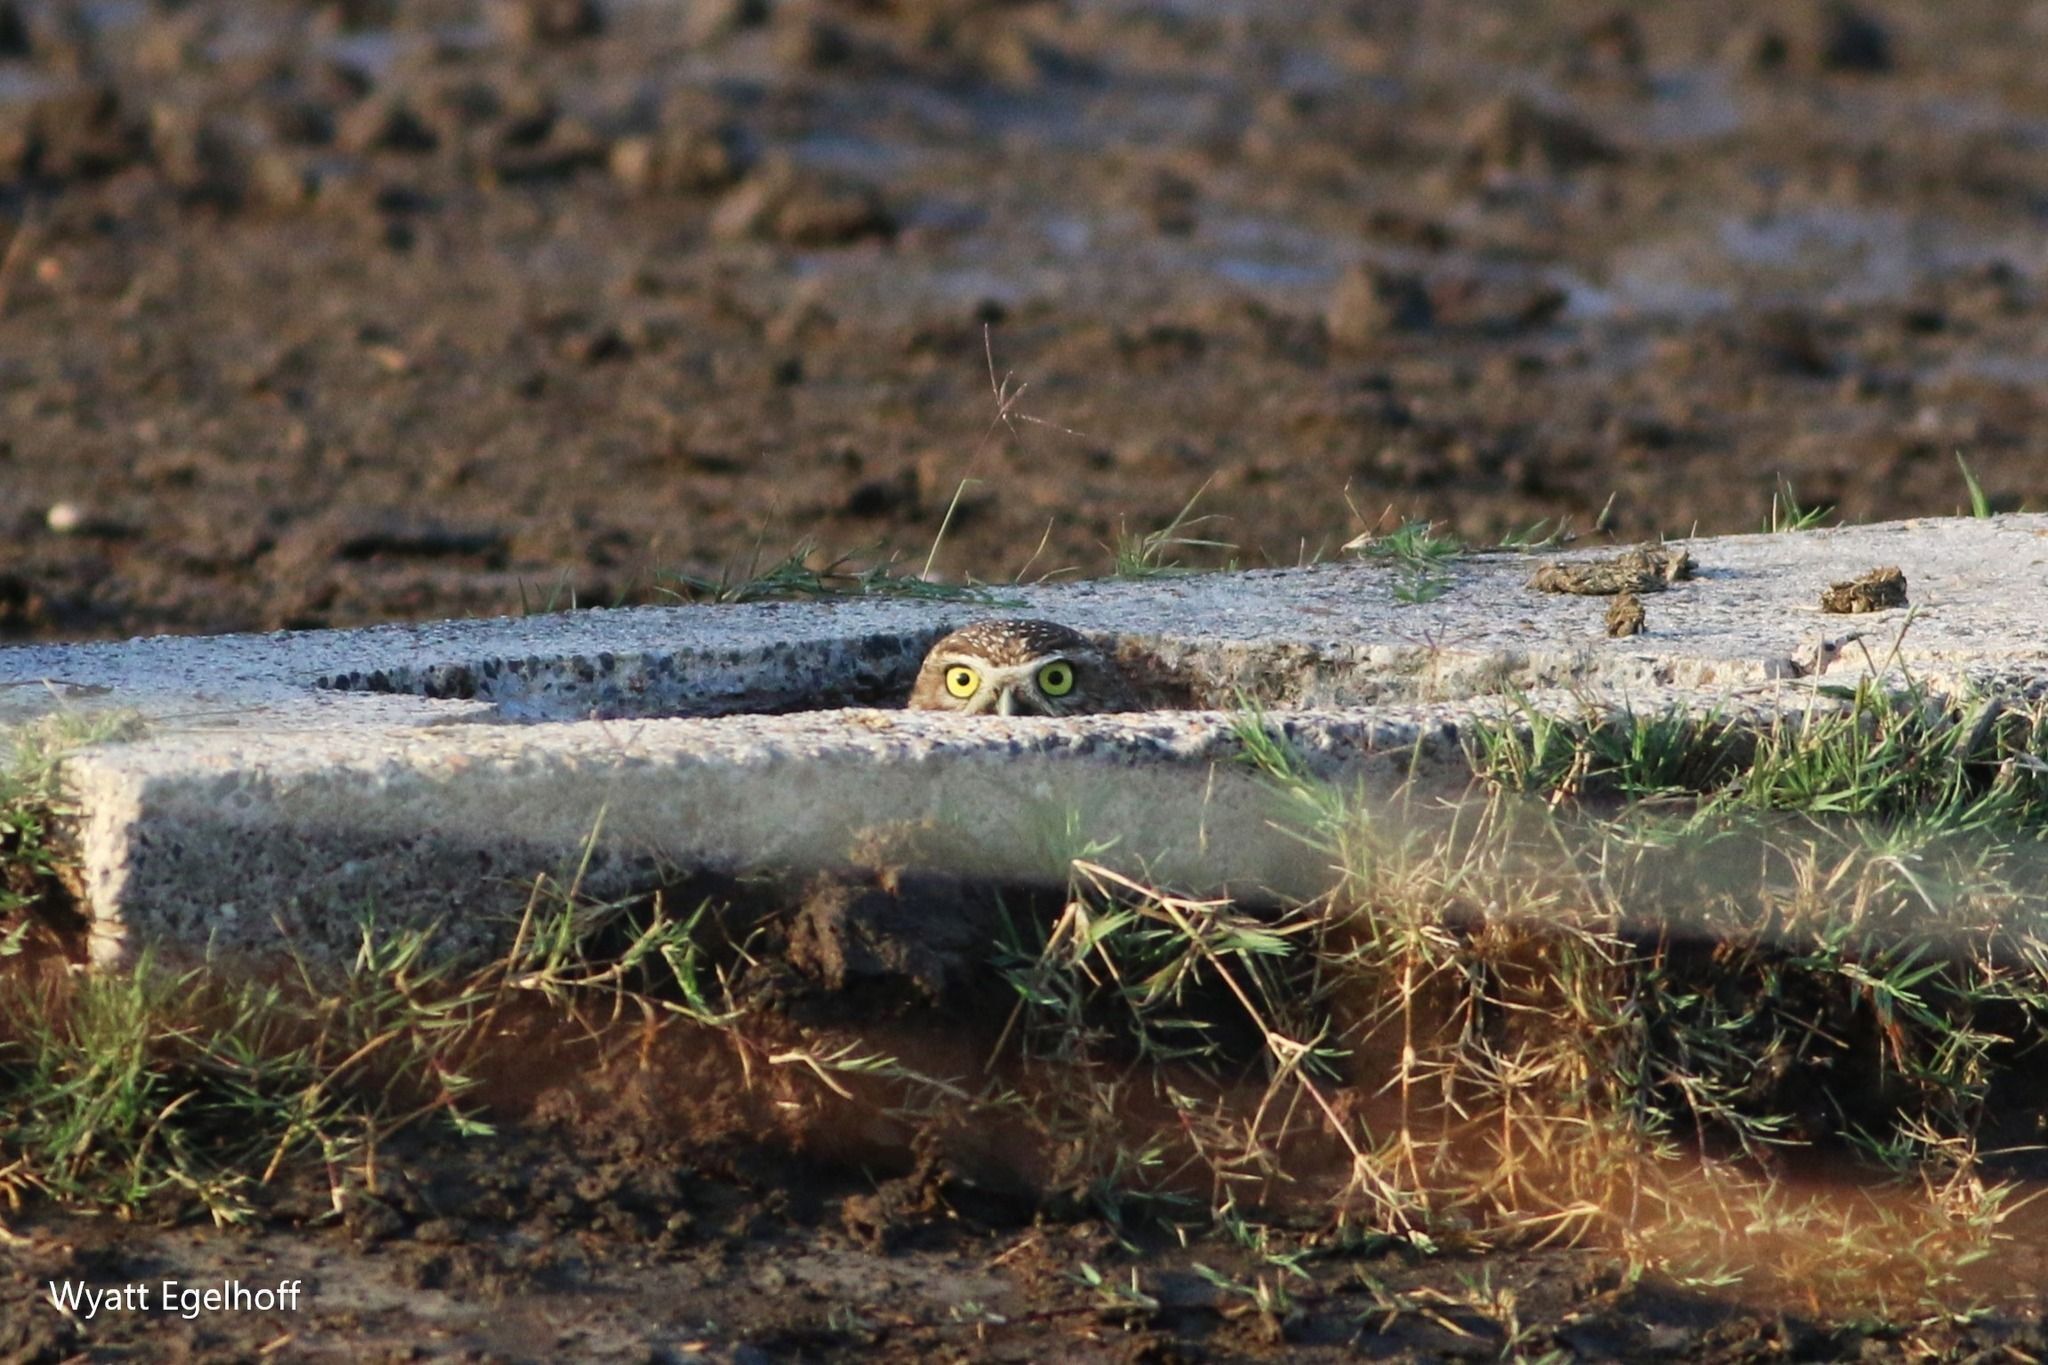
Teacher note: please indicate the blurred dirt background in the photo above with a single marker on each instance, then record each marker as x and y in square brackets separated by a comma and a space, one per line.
[318, 313]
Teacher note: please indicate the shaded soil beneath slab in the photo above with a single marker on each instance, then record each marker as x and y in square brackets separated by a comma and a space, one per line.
[314, 314]
[667, 1192]
[613, 1223]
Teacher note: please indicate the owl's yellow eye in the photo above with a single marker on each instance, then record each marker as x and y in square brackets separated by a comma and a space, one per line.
[962, 681]
[1056, 679]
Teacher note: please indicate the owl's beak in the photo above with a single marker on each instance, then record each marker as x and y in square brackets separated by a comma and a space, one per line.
[1006, 702]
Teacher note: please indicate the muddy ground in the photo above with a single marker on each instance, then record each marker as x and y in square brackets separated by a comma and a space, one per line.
[324, 313]
[598, 1236]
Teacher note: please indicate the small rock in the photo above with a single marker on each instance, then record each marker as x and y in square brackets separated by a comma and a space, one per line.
[82, 131]
[66, 518]
[690, 159]
[801, 208]
[1369, 303]
[1647, 568]
[23, 607]
[890, 497]
[14, 35]
[370, 1220]
[548, 21]
[384, 125]
[706, 21]
[1516, 134]
[1878, 590]
[1625, 615]
[1850, 40]
[1816, 36]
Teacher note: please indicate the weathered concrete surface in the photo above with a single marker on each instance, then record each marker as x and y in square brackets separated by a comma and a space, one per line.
[431, 772]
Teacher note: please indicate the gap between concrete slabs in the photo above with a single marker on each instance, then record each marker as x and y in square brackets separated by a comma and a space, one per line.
[292, 783]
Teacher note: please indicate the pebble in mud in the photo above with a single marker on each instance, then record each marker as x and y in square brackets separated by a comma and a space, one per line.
[1878, 590]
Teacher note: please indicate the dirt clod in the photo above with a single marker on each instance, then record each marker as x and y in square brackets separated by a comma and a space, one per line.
[1878, 590]
[784, 203]
[1370, 304]
[1517, 134]
[1625, 615]
[902, 939]
[1648, 568]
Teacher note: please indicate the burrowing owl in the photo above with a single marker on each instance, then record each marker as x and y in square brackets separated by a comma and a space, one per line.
[1020, 668]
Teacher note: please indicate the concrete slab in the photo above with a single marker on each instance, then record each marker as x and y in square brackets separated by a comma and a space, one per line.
[290, 783]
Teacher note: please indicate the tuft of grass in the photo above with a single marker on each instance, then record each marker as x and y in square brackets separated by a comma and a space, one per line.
[1563, 1019]
[1789, 514]
[1158, 553]
[1866, 752]
[160, 1091]
[1547, 534]
[32, 801]
[799, 575]
[1980, 504]
[151, 1090]
[561, 596]
[1422, 557]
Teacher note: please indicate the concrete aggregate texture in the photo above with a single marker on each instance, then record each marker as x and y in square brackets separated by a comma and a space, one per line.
[289, 783]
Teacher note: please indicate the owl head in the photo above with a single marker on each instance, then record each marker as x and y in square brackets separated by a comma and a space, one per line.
[1019, 668]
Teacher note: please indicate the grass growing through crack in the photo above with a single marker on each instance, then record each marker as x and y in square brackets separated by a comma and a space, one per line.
[800, 575]
[1160, 553]
[1421, 556]
[1788, 514]
[1980, 503]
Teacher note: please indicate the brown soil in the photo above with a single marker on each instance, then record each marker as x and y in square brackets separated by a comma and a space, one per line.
[670, 1191]
[323, 313]
[600, 1234]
